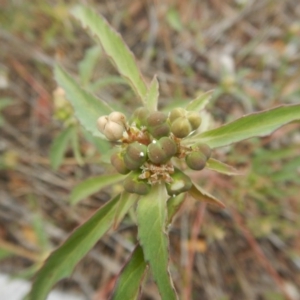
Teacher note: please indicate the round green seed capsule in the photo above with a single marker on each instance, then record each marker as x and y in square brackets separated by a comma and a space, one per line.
[205, 149]
[194, 119]
[157, 124]
[181, 127]
[196, 160]
[117, 160]
[176, 113]
[135, 156]
[160, 131]
[156, 118]
[156, 154]
[132, 184]
[169, 146]
[140, 116]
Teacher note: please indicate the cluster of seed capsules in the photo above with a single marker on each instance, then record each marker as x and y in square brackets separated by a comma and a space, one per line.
[148, 143]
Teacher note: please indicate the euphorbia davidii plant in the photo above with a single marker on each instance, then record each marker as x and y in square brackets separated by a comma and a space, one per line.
[155, 153]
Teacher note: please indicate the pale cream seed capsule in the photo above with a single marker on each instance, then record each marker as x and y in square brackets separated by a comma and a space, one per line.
[112, 130]
[101, 123]
[117, 117]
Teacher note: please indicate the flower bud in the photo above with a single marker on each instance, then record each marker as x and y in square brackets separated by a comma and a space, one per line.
[140, 115]
[176, 113]
[194, 119]
[117, 160]
[196, 160]
[181, 127]
[135, 156]
[132, 184]
[157, 124]
[180, 184]
[112, 129]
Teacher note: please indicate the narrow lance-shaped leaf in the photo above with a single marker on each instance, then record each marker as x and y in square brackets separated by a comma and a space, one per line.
[152, 95]
[252, 125]
[87, 107]
[62, 261]
[199, 194]
[59, 147]
[129, 282]
[220, 167]
[113, 46]
[200, 102]
[151, 218]
[93, 185]
[126, 201]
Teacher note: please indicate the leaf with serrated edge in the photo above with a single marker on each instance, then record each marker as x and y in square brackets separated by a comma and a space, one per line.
[126, 201]
[199, 194]
[113, 46]
[129, 283]
[131, 276]
[62, 261]
[151, 217]
[220, 167]
[256, 124]
[152, 95]
[87, 107]
[200, 102]
[93, 185]
[59, 147]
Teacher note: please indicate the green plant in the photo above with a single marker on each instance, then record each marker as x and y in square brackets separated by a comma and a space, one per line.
[154, 156]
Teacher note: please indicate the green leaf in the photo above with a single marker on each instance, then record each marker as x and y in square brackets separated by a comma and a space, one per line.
[129, 281]
[113, 46]
[151, 218]
[200, 102]
[152, 95]
[87, 65]
[173, 205]
[87, 107]
[252, 125]
[59, 147]
[218, 166]
[126, 201]
[62, 261]
[93, 185]
[199, 194]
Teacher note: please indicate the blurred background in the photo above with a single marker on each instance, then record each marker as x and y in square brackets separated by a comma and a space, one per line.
[246, 51]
